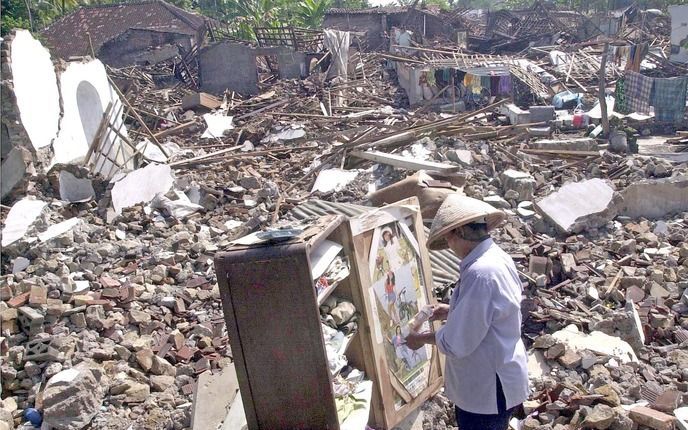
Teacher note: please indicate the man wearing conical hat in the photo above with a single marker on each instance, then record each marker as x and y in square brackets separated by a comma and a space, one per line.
[486, 372]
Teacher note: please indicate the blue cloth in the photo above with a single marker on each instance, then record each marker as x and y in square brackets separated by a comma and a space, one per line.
[499, 421]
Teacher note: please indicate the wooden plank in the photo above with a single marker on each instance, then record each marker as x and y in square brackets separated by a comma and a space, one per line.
[99, 134]
[401, 390]
[405, 162]
[174, 130]
[561, 152]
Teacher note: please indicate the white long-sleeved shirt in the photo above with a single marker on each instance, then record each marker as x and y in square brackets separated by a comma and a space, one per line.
[482, 336]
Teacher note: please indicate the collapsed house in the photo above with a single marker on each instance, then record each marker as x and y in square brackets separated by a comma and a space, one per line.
[123, 34]
[375, 24]
[230, 64]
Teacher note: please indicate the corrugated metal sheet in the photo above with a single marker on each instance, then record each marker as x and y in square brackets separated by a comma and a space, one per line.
[444, 263]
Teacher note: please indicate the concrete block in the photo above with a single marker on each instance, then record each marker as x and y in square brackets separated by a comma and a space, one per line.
[655, 198]
[521, 182]
[539, 131]
[576, 144]
[516, 114]
[541, 113]
[30, 320]
[578, 206]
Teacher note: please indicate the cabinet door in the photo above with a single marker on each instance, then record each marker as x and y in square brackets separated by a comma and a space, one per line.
[274, 325]
[394, 274]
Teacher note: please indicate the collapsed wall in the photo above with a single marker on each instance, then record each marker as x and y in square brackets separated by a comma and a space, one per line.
[86, 95]
[51, 117]
[30, 106]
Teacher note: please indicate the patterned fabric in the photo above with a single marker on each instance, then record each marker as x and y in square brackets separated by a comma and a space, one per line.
[620, 96]
[669, 98]
[505, 85]
[638, 90]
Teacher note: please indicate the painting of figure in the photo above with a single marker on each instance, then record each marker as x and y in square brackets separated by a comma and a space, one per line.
[399, 293]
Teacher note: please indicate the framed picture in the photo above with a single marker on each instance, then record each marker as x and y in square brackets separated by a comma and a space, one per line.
[395, 276]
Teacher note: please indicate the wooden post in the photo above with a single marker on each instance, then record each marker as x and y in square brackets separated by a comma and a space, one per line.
[603, 99]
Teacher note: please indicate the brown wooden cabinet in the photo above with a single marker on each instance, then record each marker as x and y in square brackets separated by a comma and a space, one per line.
[273, 321]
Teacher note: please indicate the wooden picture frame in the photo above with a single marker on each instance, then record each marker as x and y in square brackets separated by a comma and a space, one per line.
[391, 401]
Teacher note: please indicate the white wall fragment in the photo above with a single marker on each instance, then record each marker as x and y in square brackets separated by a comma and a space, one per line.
[217, 123]
[333, 180]
[35, 87]
[86, 93]
[58, 229]
[141, 186]
[19, 219]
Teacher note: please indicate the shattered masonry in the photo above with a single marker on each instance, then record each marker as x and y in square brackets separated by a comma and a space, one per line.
[123, 176]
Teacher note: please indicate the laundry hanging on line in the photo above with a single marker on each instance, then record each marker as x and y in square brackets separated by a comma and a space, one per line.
[669, 98]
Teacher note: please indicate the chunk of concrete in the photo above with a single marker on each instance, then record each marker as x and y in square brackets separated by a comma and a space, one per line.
[541, 113]
[681, 415]
[13, 169]
[497, 202]
[581, 205]
[597, 342]
[521, 182]
[236, 417]
[537, 365]
[75, 190]
[71, 399]
[575, 144]
[516, 114]
[213, 396]
[141, 186]
[655, 198]
[653, 419]
[20, 218]
[461, 156]
[600, 417]
[58, 229]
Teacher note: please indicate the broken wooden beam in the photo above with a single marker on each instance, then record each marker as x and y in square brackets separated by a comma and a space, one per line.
[174, 130]
[400, 161]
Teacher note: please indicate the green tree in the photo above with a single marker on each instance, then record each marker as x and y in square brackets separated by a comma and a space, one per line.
[310, 13]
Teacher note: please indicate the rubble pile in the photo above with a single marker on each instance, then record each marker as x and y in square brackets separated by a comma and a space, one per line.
[111, 311]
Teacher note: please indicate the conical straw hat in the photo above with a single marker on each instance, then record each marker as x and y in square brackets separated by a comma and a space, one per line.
[458, 210]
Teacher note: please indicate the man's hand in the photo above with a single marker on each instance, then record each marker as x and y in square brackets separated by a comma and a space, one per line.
[417, 340]
[439, 312]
